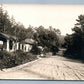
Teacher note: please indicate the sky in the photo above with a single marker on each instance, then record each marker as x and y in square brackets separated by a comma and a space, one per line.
[61, 17]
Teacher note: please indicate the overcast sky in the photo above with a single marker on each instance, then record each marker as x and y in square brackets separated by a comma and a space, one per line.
[62, 17]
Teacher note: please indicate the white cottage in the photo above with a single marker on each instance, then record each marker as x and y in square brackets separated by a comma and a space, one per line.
[26, 45]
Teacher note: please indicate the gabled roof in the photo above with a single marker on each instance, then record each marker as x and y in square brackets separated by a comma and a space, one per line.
[28, 41]
[8, 36]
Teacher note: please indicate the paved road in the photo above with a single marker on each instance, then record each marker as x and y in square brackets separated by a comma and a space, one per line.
[52, 68]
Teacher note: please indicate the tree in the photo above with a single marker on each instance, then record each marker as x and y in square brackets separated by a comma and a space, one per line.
[9, 26]
[30, 32]
[47, 38]
[20, 31]
[75, 41]
[4, 20]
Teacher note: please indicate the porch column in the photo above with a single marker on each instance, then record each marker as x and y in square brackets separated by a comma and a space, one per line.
[17, 47]
[27, 48]
[20, 46]
[7, 45]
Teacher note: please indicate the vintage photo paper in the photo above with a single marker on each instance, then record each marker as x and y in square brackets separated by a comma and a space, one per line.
[41, 42]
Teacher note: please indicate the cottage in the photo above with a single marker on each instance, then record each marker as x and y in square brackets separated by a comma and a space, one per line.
[8, 42]
[11, 43]
[26, 45]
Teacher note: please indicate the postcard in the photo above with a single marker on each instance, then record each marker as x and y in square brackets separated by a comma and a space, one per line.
[42, 41]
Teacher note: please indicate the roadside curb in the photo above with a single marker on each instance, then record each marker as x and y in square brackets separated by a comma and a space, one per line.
[19, 66]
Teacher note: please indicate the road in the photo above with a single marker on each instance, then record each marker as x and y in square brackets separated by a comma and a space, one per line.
[52, 68]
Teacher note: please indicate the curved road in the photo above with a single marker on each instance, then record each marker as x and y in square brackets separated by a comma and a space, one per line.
[52, 68]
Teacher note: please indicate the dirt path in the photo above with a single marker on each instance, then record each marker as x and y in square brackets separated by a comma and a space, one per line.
[52, 68]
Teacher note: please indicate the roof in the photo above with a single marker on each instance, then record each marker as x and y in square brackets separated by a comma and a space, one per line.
[8, 36]
[28, 41]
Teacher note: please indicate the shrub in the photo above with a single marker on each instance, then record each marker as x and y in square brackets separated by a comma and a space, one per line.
[7, 59]
[11, 59]
[35, 50]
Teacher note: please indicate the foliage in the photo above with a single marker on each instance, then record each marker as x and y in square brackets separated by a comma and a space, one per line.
[47, 38]
[35, 50]
[11, 59]
[61, 41]
[5, 23]
[75, 41]
[9, 26]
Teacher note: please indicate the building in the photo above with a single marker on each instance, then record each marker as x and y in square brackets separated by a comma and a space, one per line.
[8, 42]
[11, 43]
[26, 45]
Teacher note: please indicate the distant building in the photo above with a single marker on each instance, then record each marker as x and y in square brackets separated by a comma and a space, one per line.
[26, 45]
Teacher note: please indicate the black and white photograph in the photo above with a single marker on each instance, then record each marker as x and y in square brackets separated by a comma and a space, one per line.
[41, 42]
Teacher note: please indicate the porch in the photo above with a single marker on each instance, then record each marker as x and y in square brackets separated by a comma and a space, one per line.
[7, 42]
